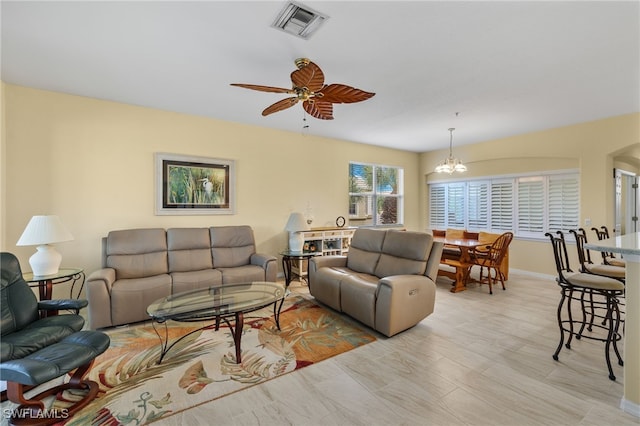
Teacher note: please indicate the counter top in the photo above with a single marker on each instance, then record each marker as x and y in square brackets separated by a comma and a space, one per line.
[624, 244]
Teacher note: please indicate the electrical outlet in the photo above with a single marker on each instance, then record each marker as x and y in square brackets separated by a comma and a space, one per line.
[587, 222]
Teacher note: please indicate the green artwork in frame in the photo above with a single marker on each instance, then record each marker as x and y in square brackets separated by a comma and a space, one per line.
[187, 185]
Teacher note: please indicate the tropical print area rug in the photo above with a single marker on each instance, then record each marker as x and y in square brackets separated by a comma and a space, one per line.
[134, 389]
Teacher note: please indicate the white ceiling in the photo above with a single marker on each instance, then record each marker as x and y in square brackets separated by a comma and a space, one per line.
[507, 67]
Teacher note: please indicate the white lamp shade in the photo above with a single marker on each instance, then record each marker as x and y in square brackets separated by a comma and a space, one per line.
[41, 231]
[297, 222]
[44, 230]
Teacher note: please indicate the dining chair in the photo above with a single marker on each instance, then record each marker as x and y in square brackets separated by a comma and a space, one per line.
[587, 291]
[490, 257]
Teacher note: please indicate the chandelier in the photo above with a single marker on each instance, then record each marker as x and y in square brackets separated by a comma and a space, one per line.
[451, 164]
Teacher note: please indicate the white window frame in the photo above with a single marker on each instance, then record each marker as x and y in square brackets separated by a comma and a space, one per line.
[374, 194]
[529, 205]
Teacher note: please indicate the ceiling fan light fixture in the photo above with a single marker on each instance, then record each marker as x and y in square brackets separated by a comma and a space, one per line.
[451, 164]
[298, 20]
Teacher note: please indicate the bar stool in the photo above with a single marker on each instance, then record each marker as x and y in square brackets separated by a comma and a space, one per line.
[591, 292]
[608, 258]
[587, 265]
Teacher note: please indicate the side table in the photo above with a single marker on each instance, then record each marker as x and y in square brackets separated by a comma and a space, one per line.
[45, 283]
[288, 257]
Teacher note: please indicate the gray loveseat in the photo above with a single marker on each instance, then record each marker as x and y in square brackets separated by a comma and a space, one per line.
[386, 280]
[140, 266]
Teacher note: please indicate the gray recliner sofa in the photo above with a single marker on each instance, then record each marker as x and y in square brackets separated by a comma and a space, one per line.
[386, 280]
[140, 266]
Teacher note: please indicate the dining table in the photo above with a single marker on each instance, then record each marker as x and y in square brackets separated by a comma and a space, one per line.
[462, 264]
[628, 246]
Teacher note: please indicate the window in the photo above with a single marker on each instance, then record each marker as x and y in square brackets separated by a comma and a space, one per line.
[375, 195]
[529, 206]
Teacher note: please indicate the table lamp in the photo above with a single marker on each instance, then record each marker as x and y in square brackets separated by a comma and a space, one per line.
[296, 223]
[42, 231]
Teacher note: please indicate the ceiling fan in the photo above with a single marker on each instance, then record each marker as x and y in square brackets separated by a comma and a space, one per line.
[308, 86]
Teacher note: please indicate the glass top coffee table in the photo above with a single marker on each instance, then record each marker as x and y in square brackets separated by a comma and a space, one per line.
[217, 303]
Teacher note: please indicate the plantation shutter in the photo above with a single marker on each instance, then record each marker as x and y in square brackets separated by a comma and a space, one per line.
[455, 206]
[564, 203]
[478, 205]
[501, 206]
[437, 199]
[531, 206]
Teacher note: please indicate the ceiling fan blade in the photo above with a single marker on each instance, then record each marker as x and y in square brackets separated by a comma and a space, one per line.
[280, 105]
[264, 88]
[309, 76]
[343, 94]
[319, 109]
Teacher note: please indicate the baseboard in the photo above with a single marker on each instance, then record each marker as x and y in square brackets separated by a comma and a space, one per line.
[630, 407]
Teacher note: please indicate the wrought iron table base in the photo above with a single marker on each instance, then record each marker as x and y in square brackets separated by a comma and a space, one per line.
[236, 329]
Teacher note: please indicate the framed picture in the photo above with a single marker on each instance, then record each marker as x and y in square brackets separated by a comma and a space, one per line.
[188, 185]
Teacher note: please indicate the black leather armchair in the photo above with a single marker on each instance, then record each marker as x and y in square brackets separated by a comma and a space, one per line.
[35, 350]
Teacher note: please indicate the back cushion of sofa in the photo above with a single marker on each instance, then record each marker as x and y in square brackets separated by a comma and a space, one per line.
[404, 253]
[189, 249]
[232, 246]
[137, 253]
[365, 249]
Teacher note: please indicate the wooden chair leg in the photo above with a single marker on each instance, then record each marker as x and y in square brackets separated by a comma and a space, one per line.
[29, 411]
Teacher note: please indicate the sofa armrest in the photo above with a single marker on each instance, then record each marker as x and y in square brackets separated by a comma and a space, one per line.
[98, 287]
[402, 301]
[268, 263]
[318, 262]
[433, 261]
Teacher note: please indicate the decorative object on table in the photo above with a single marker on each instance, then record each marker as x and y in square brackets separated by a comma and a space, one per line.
[340, 221]
[309, 214]
[296, 223]
[136, 390]
[42, 231]
[451, 164]
[308, 87]
[187, 185]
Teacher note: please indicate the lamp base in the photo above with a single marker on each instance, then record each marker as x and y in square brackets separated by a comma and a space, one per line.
[296, 241]
[45, 261]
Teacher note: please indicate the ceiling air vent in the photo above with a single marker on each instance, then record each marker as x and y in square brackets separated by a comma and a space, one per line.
[299, 20]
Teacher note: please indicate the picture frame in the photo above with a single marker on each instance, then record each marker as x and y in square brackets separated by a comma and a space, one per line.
[191, 185]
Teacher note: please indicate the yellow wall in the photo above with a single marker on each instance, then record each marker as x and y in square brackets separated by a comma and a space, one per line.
[92, 163]
[589, 147]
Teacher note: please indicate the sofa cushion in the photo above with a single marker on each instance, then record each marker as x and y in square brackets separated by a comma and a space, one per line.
[365, 249]
[242, 274]
[137, 253]
[232, 246]
[131, 297]
[193, 280]
[404, 253]
[189, 249]
[358, 297]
